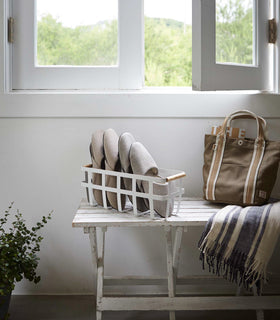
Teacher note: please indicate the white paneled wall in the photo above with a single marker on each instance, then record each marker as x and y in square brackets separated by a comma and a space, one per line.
[40, 161]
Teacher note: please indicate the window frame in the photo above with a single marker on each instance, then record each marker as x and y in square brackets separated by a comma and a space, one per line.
[275, 13]
[207, 73]
[126, 79]
[128, 74]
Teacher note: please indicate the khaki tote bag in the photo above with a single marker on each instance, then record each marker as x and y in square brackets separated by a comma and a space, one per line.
[240, 171]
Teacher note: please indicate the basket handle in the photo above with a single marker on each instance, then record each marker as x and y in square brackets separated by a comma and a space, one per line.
[175, 176]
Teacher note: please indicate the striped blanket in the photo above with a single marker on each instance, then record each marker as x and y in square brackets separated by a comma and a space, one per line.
[238, 242]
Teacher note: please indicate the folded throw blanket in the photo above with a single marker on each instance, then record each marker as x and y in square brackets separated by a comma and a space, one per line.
[238, 242]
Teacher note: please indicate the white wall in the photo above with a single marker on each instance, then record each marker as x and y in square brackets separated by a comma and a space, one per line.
[41, 155]
[44, 140]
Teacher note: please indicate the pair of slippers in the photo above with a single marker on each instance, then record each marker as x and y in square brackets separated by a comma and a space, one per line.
[105, 155]
[124, 153]
[135, 158]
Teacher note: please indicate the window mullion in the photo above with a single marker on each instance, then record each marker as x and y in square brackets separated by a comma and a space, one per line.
[203, 43]
[131, 44]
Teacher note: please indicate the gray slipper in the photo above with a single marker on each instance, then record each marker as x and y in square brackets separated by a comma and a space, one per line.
[143, 163]
[125, 141]
[96, 149]
[112, 163]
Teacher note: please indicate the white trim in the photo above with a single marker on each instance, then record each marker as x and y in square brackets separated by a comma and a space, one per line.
[219, 167]
[135, 104]
[257, 172]
[276, 47]
[249, 173]
[211, 170]
[4, 61]
[2, 47]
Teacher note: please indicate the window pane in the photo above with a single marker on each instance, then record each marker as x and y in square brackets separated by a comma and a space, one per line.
[168, 42]
[71, 32]
[234, 31]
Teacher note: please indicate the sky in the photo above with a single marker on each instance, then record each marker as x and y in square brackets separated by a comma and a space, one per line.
[86, 12]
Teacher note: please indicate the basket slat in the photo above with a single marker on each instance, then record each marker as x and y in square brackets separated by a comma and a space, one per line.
[173, 178]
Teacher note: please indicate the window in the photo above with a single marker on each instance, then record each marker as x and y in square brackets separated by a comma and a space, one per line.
[32, 70]
[129, 44]
[210, 70]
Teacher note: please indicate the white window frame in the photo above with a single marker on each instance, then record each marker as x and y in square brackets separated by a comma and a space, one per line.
[275, 13]
[207, 74]
[127, 74]
[210, 75]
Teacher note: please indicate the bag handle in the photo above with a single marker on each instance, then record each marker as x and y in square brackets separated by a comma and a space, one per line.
[246, 114]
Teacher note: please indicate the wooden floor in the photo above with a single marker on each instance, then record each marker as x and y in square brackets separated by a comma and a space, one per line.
[81, 308]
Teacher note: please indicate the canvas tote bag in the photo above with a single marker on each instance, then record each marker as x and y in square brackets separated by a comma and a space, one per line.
[240, 171]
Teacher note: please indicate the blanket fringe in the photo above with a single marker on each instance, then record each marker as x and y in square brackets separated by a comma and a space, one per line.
[233, 268]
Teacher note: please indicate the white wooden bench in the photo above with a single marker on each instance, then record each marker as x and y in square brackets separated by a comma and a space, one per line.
[192, 213]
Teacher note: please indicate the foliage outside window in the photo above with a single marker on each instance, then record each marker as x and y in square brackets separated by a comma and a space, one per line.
[80, 46]
[234, 31]
[168, 44]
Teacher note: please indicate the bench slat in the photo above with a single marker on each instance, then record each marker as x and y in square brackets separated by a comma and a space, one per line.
[191, 213]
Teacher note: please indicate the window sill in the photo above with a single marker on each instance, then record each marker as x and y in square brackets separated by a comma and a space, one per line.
[145, 103]
[144, 91]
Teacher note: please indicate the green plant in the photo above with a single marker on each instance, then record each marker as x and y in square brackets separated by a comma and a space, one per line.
[18, 250]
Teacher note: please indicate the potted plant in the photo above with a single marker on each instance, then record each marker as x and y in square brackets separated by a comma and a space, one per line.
[19, 246]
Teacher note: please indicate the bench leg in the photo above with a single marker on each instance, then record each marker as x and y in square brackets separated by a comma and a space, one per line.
[259, 313]
[97, 250]
[177, 251]
[170, 270]
[93, 246]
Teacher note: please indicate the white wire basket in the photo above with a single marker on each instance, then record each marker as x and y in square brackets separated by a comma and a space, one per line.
[168, 177]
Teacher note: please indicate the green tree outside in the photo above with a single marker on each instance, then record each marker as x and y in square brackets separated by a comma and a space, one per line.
[84, 45]
[234, 32]
[168, 44]
[168, 53]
